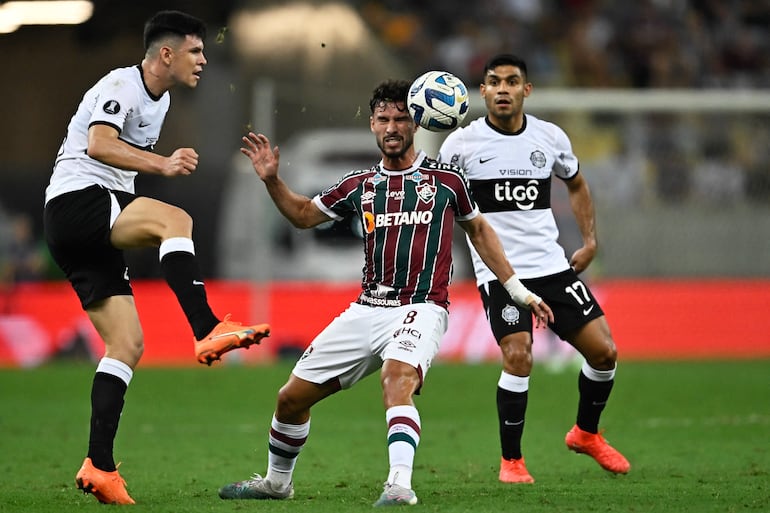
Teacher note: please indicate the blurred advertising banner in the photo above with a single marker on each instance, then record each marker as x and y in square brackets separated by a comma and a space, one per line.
[650, 320]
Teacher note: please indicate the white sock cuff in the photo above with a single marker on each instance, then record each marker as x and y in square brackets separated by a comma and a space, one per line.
[175, 244]
[116, 368]
[597, 375]
[293, 430]
[513, 383]
[402, 411]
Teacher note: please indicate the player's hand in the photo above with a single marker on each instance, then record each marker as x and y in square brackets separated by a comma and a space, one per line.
[264, 159]
[542, 312]
[522, 296]
[582, 258]
[182, 162]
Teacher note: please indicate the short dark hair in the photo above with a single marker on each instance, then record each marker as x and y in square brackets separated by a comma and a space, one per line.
[504, 59]
[166, 23]
[389, 91]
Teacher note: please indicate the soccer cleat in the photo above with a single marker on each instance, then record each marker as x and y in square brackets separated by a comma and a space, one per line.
[514, 471]
[594, 445]
[226, 336]
[107, 487]
[395, 495]
[255, 488]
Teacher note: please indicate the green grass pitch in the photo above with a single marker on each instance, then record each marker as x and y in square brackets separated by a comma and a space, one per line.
[697, 435]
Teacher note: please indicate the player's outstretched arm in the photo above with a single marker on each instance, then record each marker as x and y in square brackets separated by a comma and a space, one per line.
[487, 244]
[297, 208]
[105, 146]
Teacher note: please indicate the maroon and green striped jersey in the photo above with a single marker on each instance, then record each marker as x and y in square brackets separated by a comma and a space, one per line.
[407, 218]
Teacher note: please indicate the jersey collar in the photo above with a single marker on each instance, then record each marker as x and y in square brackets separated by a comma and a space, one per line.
[146, 89]
[505, 132]
[418, 160]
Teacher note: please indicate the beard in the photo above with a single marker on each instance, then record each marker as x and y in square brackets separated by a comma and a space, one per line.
[395, 153]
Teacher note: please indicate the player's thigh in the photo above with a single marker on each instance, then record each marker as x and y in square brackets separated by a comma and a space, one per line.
[77, 221]
[77, 230]
[594, 341]
[505, 317]
[342, 351]
[571, 300]
[147, 221]
[411, 334]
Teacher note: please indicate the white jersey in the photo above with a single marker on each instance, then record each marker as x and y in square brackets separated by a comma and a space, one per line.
[510, 179]
[121, 100]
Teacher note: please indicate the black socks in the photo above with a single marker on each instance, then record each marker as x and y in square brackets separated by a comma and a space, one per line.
[107, 394]
[180, 269]
[511, 408]
[593, 399]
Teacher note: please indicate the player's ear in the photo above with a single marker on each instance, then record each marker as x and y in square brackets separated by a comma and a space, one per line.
[166, 54]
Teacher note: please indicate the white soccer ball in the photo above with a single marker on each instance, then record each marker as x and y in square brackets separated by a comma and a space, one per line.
[438, 101]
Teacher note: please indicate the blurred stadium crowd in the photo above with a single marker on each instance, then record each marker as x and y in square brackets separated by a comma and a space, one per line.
[587, 43]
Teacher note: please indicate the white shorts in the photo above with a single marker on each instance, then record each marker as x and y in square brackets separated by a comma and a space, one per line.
[356, 343]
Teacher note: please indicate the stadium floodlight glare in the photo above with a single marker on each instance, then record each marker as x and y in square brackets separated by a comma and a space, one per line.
[55, 12]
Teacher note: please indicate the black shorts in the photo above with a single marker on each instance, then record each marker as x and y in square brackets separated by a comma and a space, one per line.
[569, 297]
[77, 231]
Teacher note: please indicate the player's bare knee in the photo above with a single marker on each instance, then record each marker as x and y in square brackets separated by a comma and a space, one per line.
[128, 351]
[135, 347]
[604, 359]
[516, 355]
[398, 387]
[179, 222]
[288, 405]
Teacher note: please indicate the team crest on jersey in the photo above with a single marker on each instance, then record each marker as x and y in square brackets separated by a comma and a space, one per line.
[377, 178]
[537, 158]
[426, 192]
[416, 176]
[455, 160]
[510, 314]
[111, 107]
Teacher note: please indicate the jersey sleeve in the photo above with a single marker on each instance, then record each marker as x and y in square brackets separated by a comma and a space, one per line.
[566, 162]
[317, 201]
[464, 204]
[467, 208]
[114, 100]
[337, 201]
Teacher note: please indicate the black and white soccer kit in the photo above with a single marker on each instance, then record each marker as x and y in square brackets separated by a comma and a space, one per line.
[510, 179]
[84, 196]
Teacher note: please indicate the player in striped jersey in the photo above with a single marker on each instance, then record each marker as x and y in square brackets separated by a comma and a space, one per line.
[407, 205]
[92, 215]
[509, 158]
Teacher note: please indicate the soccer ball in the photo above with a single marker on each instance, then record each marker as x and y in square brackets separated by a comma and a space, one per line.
[438, 101]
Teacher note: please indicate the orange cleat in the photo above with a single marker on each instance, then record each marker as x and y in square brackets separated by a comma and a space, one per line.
[226, 336]
[107, 487]
[514, 471]
[594, 445]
